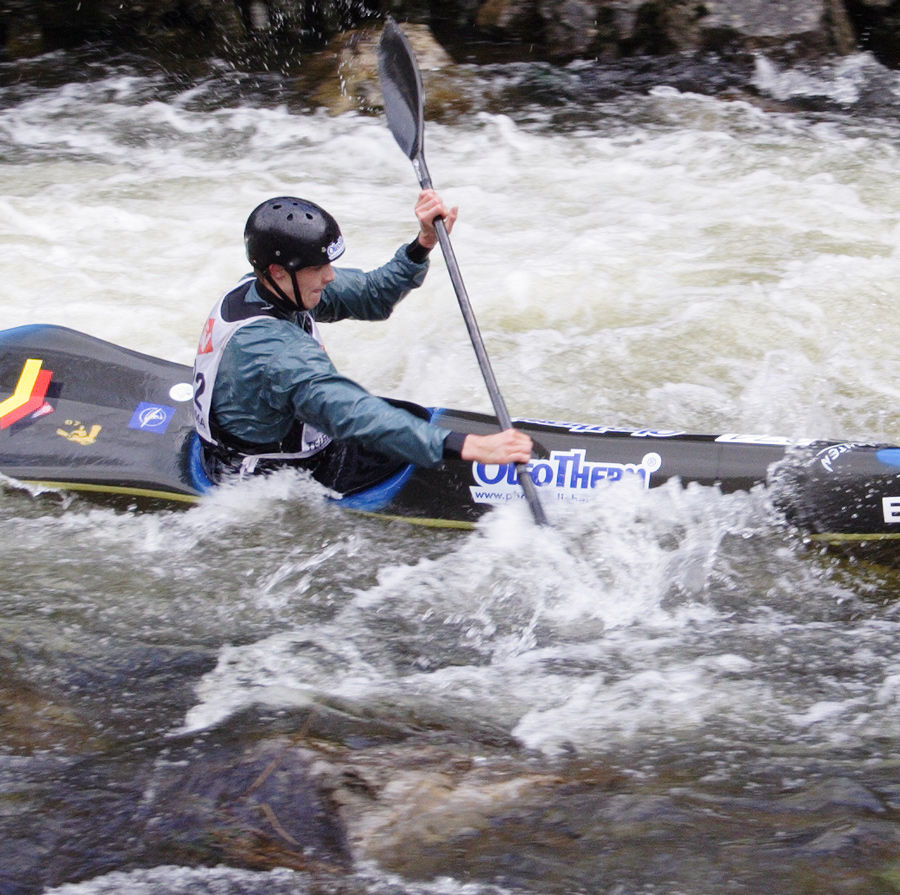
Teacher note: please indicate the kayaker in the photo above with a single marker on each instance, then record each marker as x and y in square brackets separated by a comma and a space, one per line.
[265, 391]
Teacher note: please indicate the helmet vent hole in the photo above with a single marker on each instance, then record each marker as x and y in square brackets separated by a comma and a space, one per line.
[290, 217]
[309, 217]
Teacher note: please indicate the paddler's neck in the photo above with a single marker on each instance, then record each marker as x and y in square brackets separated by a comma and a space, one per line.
[283, 305]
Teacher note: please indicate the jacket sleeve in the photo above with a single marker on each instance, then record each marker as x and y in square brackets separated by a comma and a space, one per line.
[370, 295]
[300, 374]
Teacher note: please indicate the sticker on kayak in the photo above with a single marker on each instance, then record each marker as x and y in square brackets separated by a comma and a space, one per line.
[567, 473]
[592, 429]
[773, 440]
[152, 417]
[890, 508]
[79, 433]
[181, 391]
[28, 395]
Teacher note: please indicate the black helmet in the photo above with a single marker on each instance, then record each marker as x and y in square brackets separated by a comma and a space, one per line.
[293, 233]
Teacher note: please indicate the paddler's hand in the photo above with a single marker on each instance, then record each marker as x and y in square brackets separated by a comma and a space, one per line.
[429, 207]
[509, 446]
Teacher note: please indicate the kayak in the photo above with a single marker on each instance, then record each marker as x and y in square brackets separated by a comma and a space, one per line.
[79, 413]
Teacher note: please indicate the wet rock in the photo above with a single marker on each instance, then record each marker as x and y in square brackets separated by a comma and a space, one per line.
[123, 690]
[270, 31]
[821, 27]
[590, 28]
[248, 804]
[21, 33]
[93, 780]
[837, 794]
[877, 22]
[418, 808]
[570, 26]
[517, 18]
[845, 839]
[33, 721]
[234, 797]
[642, 811]
[344, 77]
[60, 24]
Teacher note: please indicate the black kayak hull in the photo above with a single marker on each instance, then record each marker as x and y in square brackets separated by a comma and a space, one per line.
[80, 413]
[836, 493]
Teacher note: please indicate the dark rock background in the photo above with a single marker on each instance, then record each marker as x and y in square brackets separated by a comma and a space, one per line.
[271, 32]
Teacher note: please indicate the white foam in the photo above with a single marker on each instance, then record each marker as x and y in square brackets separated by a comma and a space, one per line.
[222, 880]
[504, 609]
[702, 265]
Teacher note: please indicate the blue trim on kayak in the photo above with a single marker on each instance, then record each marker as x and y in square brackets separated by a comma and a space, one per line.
[8, 335]
[370, 500]
[196, 470]
[889, 456]
[380, 495]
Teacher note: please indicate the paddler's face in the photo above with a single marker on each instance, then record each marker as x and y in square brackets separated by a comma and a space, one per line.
[311, 280]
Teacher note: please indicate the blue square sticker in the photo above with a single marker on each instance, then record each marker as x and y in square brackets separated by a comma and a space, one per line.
[152, 417]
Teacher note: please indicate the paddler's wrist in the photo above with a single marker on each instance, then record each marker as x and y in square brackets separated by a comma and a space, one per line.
[418, 253]
[453, 444]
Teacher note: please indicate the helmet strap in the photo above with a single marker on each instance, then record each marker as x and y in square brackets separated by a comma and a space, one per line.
[289, 305]
[298, 299]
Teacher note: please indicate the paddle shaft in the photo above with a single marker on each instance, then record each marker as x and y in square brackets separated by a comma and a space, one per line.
[484, 362]
[404, 103]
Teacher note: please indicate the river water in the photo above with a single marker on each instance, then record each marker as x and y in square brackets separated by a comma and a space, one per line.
[665, 692]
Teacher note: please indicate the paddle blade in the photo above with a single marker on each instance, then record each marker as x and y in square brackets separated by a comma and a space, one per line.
[401, 84]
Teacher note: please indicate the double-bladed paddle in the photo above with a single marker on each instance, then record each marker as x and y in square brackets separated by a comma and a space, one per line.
[404, 103]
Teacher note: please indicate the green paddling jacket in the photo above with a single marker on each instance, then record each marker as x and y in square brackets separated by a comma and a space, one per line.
[273, 373]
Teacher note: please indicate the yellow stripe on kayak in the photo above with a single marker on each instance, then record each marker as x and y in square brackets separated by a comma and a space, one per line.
[190, 498]
[417, 520]
[24, 388]
[113, 489]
